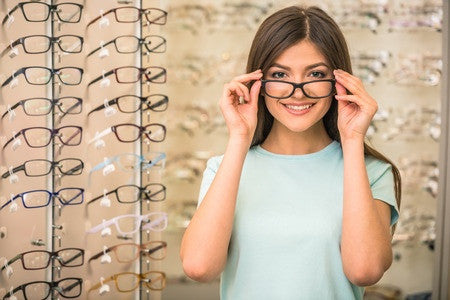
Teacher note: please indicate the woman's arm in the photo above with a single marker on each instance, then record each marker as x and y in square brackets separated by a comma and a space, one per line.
[366, 239]
[204, 246]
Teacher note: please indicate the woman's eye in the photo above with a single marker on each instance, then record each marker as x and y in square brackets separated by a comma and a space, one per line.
[278, 75]
[317, 74]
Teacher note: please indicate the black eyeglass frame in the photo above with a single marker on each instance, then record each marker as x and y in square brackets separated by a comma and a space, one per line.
[51, 256]
[54, 132]
[143, 193]
[53, 72]
[54, 102]
[144, 100]
[141, 41]
[52, 40]
[51, 10]
[53, 285]
[298, 85]
[142, 71]
[53, 164]
[142, 11]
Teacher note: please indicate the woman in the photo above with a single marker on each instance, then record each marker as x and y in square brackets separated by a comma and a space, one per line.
[298, 207]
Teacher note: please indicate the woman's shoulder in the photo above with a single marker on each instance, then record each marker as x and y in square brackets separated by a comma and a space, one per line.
[376, 167]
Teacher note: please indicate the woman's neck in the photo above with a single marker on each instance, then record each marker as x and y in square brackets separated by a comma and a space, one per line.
[281, 140]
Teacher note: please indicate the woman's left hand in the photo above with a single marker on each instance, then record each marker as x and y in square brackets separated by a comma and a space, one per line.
[355, 111]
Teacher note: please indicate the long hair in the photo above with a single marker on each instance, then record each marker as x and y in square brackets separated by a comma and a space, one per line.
[282, 30]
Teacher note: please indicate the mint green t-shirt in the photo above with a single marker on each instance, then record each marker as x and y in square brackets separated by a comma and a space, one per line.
[285, 242]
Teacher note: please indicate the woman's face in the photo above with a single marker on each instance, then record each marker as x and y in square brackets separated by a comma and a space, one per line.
[300, 63]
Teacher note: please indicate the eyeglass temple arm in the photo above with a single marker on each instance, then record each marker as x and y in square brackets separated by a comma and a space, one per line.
[151, 223]
[159, 103]
[10, 78]
[15, 170]
[12, 108]
[104, 45]
[9, 13]
[101, 196]
[155, 47]
[101, 253]
[79, 103]
[12, 260]
[101, 77]
[10, 293]
[156, 76]
[99, 17]
[73, 170]
[13, 44]
[69, 287]
[101, 226]
[80, 253]
[12, 139]
[100, 107]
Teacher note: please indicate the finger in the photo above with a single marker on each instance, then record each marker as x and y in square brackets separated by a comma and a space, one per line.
[254, 93]
[357, 100]
[233, 90]
[351, 83]
[340, 89]
[245, 78]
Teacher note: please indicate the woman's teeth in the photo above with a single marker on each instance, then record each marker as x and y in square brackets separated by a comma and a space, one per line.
[298, 107]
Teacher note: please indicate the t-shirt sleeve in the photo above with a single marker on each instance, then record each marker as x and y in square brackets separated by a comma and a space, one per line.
[382, 184]
[212, 166]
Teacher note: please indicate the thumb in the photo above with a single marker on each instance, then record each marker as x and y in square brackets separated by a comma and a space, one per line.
[254, 93]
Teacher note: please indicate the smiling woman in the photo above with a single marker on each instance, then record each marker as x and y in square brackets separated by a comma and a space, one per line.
[296, 174]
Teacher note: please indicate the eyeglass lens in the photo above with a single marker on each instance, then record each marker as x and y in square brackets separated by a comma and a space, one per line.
[130, 132]
[313, 89]
[41, 137]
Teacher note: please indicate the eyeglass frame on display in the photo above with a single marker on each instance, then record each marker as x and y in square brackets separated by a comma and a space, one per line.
[54, 133]
[51, 196]
[141, 277]
[142, 191]
[141, 41]
[141, 247]
[53, 165]
[138, 223]
[52, 71]
[143, 100]
[53, 286]
[51, 10]
[52, 255]
[142, 71]
[52, 40]
[142, 11]
[54, 102]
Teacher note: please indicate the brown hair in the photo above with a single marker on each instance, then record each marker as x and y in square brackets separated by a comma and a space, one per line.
[287, 27]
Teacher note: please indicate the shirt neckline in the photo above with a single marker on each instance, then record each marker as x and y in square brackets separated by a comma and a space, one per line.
[329, 148]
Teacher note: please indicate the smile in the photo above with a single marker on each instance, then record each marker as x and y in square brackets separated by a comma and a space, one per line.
[298, 107]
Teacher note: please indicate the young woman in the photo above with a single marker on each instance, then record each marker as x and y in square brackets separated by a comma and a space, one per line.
[298, 207]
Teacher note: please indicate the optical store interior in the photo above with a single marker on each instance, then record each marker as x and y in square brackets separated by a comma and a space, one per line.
[109, 113]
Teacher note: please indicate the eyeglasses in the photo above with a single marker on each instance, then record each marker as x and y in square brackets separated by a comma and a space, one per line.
[128, 132]
[42, 198]
[132, 103]
[134, 74]
[42, 167]
[131, 14]
[128, 252]
[35, 44]
[130, 162]
[32, 11]
[316, 89]
[128, 224]
[129, 281]
[40, 259]
[42, 75]
[131, 44]
[130, 193]
[69, 287]
[37, 137]
[43, 106]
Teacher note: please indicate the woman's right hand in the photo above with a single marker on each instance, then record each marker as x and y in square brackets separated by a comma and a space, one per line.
[241, 117]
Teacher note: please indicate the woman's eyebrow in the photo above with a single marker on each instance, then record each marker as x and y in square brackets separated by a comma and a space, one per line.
[308, 67]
